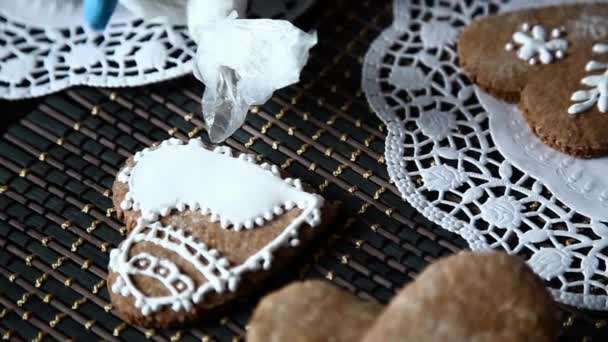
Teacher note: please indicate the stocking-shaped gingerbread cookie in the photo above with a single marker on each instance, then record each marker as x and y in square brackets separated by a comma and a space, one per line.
[205, 226]
[552, 61]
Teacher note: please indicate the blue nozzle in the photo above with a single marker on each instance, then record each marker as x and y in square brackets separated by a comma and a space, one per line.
[97, 13]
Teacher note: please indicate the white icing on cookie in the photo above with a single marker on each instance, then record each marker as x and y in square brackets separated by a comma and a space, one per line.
[538, 44]
[590, 26]
[234, 191]
[598, 94]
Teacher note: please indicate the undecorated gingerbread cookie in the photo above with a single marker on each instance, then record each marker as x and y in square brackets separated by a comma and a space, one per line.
[553, 61]
[204, 227]
[311, 311]
[482, 297]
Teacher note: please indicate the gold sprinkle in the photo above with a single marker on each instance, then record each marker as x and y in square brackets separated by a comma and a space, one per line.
[77, 244]
[379, 192]
[176, 337]
[40, 280]
[206, 338]
[302, 149]
[250, 142]
[280, 114]
[68, 282]
[99, 286]
[26, 315]
[266, 127]
[24, 298]
[343, 137]
[358, 123]
[329, 152]
[29, 259]
[7, 335]
[172, 131]
[317, 134]
[194, 132]
[389, 212]
[45, 241]
[12, 277]
[375, 227]
[306, 116]
[237, 339]
[345, 259]
[104, 247]
[86, 264]
[275, 145]
[296, 99]
[78, 303]
[368, 174]
[3, 188]
[123, 231]
[188, 117]
[312, 167]
[95, 111]
[569, 321]
[58, 263]
[320, 101]
[76, 126]
[534, 205]
[87, 208]
[324, 185]
[93, 226]
[119, 329]
[48, 298]
[23, 173]
[89, 324]
[345, 107]
[107, 193]
[107, 307]
[353, 189]
[255, 109]
[364, 208]
[150, 333]
[3, 313]
[368, 141]
[331, 120]
[330, 275]
[65, 225]
[287, 163]
[359, 243]
[58, 318]
[42, 156]
[113, 96]
[59, 141]
[291, 130]
[601, 323]
[39, 337]
[381, 160]
[109, 212]
[339, 170]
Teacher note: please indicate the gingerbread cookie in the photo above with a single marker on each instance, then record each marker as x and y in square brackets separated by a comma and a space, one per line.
[551, 61]
[204, 227]
[498, 299]
[311, 311]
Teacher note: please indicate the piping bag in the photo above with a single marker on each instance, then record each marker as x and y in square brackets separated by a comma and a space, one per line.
[242, 62]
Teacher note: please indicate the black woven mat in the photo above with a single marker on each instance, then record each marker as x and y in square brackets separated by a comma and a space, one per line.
[58, 162]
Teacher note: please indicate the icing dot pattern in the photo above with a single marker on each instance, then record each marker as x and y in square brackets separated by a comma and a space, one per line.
[273, 197]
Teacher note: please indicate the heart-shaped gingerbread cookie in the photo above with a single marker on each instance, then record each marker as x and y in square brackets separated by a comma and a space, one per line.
[204, 227]
[461, 298]
[552, 62]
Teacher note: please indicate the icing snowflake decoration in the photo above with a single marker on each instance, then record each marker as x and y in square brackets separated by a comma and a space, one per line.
[536, 44]
[471, 164]
[599, 83]
[233, 191]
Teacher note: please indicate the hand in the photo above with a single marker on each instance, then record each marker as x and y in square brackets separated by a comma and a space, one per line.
[97, 13]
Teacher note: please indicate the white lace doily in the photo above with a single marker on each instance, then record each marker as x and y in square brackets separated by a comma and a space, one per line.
[44, 46]
[469, 163]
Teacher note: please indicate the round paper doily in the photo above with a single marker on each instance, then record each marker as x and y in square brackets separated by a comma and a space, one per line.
[44, 47]
[469, 163]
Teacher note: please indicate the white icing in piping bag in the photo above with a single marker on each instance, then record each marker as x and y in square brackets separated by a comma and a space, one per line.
[242, 62]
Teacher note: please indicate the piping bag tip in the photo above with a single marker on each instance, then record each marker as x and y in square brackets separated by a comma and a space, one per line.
[242, 62]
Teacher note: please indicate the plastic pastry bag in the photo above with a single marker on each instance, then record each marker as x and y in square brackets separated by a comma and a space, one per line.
[242, 62]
